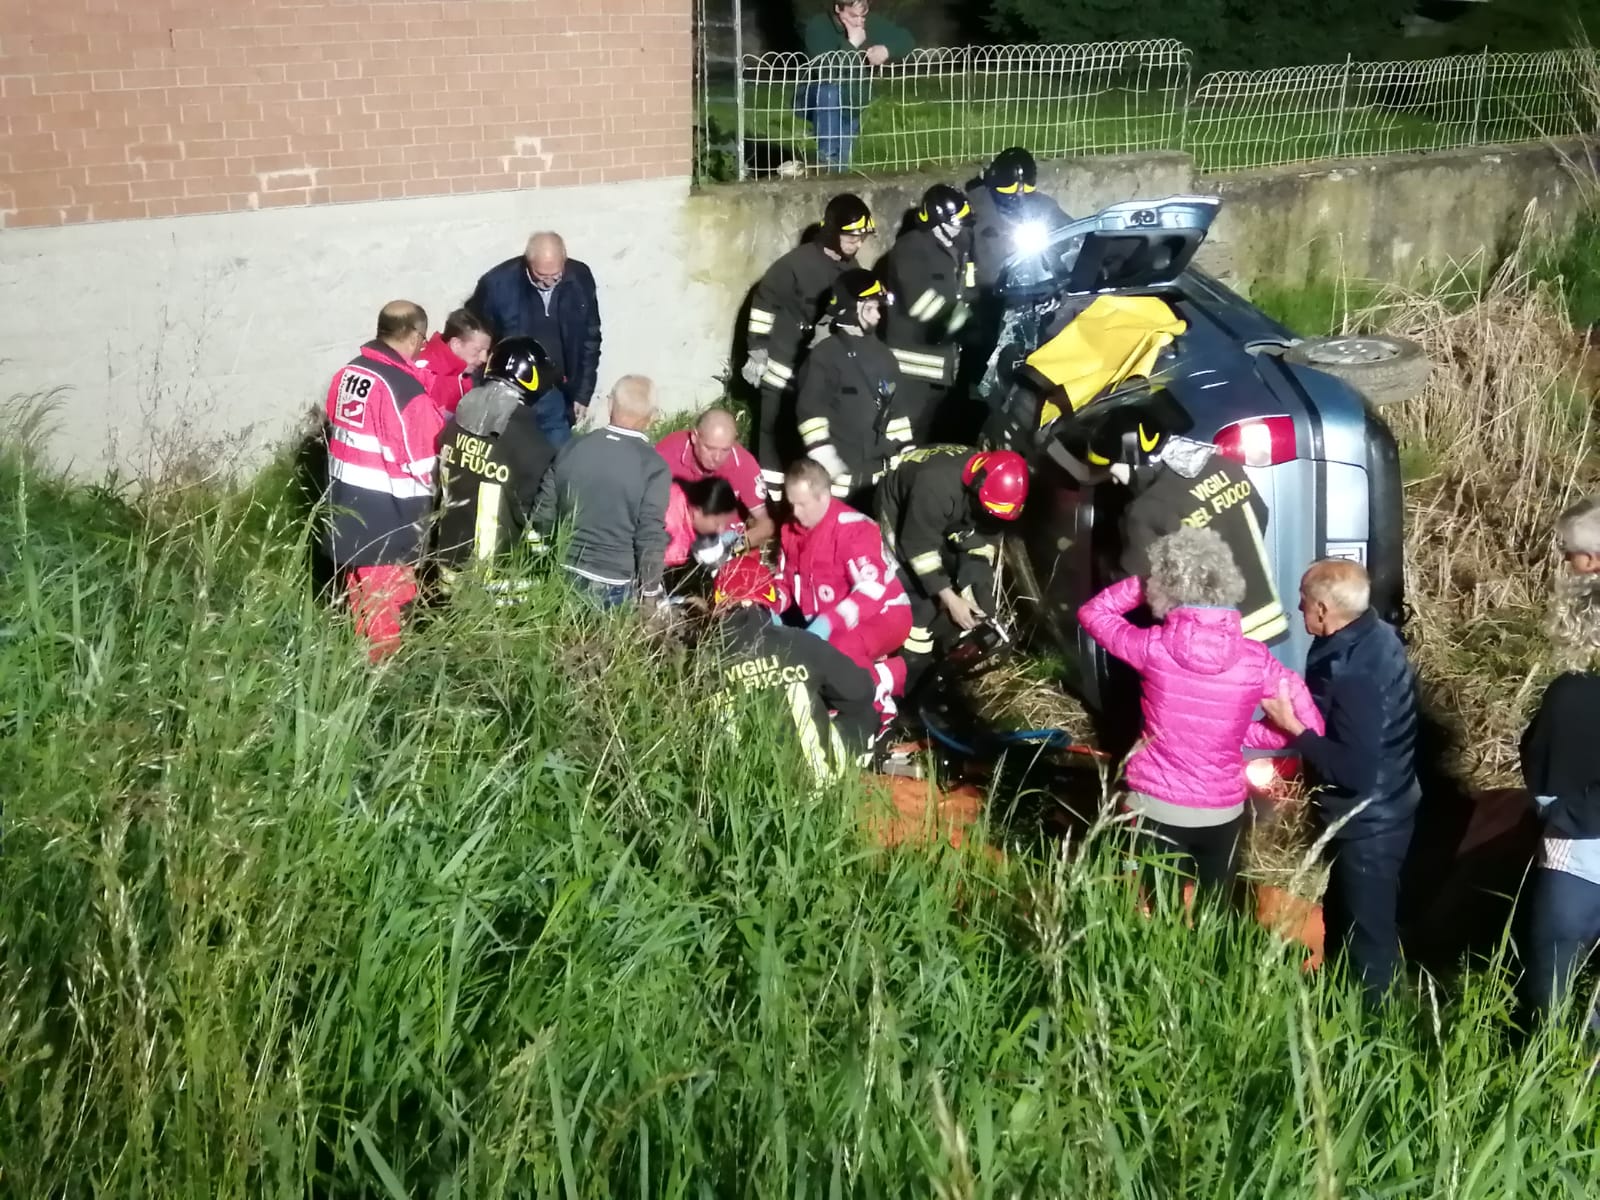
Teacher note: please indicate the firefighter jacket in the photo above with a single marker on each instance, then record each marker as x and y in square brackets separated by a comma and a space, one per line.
[994, 231]
[383, 433]
[839, 570]
[933, 527]
[785, 308]
[1220, 496]
[934, 288]
[807, 676]
[492, 458]
[846, 408]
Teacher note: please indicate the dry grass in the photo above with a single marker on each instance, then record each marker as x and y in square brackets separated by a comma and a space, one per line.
[1494, 449]
[1022, 693]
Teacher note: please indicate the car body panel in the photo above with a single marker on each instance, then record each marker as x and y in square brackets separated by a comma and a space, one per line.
[1339, 495]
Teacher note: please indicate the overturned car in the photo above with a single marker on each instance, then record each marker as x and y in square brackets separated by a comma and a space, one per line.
[1111, 342]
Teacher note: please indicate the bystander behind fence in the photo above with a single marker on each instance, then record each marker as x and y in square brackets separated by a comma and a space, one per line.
[946, 106]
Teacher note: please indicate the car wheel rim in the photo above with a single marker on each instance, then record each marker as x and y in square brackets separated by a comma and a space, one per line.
[1352, 351]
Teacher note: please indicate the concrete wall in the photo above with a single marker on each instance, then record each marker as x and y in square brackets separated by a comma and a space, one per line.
[212, 336]
[1392, 219]
[203, 341]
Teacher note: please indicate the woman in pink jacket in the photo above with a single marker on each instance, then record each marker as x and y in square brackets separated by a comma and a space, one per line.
[1202, 680]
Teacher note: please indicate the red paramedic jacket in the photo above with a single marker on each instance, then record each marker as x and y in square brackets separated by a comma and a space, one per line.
[382, 439]
[444, 375]
[839, 570]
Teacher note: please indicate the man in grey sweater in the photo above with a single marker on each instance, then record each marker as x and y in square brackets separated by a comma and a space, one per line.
[607, 495]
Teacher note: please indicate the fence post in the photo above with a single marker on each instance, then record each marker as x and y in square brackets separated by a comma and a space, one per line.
[964, 120]
[1477, 102]
[1344, 106]
[738, 85]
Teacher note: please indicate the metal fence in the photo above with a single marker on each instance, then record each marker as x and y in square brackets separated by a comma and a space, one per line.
[943, 106]
[794, 115]
[1242, 119]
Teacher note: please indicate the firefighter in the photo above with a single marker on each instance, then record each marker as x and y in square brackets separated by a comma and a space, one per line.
[1009, 213]
[848, 408]
[492, 457]
[944, 510]
[1175, 482]
[834, 568]
[783, 313]
[759, 655]
[931, 273]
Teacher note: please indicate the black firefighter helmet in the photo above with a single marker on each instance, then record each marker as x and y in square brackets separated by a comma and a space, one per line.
[1012, 171]
[522, 361]
[847, 293]
[846, 213]
[944, 205]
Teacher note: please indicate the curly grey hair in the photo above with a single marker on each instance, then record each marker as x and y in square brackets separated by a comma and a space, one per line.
[1575, 622]
[1192, 567]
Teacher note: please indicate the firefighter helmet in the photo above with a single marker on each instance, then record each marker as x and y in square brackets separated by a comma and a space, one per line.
[999, 479]
[523, 361]
[944, 205]
[1126, 437]
[846, 213]
[849, 290]
[746, 580]
[1013, 170]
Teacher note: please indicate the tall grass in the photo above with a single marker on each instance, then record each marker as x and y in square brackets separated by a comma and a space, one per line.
[514, 915]
[1496, 447]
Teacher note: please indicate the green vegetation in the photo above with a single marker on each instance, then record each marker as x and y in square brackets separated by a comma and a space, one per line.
[1572, 266]
[515, 915]
[957, 118]
[1230, 36]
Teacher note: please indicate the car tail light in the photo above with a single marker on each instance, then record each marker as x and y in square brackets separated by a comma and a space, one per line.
[1272, 777]
[1258, 442]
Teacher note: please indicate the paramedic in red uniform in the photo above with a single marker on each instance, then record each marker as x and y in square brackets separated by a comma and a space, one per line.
[835, 569]
[712, 448]
[451, 358]
[382, 435]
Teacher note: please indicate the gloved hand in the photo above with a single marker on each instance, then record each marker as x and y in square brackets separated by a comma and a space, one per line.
[831, 462]
[822, 627]
[755, 367]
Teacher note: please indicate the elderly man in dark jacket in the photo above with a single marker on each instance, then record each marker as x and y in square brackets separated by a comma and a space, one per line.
[1366, 764]
[547, 296]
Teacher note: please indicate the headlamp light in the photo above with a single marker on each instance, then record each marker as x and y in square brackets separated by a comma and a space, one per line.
[1030, 237]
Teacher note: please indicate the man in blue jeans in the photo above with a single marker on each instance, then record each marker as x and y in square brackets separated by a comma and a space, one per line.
[604, 502]
[849, 41]
[1364, 686]
[1561, 766]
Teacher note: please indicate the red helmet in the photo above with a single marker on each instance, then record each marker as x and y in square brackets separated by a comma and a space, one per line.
[999, 478]
[746, 579]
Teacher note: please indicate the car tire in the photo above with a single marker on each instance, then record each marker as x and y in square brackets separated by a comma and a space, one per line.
[1386, 370]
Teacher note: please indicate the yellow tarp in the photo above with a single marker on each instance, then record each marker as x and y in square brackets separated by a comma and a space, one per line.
[1115, 339]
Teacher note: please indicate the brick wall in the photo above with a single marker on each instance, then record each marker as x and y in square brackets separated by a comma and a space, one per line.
[118, 109]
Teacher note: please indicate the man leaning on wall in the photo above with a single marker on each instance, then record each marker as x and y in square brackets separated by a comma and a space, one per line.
[545, 295]
[851, 41]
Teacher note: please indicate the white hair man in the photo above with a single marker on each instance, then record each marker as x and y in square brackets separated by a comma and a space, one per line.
[1578, 535]
[544, 294]
[608, 492]
[1364, 686]
[1561, 765]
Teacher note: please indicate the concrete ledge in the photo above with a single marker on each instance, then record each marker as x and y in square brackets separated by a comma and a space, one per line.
[205, 340]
